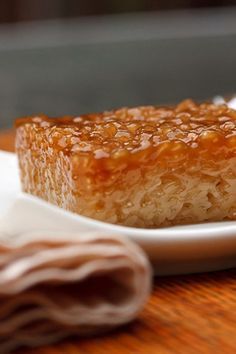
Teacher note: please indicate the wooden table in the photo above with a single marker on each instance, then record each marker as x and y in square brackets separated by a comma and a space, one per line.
[192, 314]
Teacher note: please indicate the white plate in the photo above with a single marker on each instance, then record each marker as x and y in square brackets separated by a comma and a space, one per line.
[182, 249]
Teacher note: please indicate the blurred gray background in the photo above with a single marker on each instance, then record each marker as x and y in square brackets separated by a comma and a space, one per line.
[86, 64]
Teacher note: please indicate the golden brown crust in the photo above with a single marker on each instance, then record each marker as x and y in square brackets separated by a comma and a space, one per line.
[131, 130]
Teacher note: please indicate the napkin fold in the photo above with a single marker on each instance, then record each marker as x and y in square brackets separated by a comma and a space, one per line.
[54, 285]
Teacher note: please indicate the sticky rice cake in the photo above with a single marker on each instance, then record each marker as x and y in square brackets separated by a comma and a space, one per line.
[144, 167]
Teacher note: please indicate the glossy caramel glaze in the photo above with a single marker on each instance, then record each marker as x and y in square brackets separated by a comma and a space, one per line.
[123, 133]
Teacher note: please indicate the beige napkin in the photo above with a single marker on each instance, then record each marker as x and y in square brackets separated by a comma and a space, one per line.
[56, 285]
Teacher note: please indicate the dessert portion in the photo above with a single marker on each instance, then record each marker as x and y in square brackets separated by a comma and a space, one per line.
[144, 167]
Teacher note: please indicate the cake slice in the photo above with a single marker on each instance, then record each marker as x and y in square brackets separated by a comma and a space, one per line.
[144, 167]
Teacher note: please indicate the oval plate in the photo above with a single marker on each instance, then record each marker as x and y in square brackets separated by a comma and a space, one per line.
[173, 250]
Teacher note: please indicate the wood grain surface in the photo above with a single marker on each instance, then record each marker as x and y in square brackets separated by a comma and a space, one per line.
[191, 314]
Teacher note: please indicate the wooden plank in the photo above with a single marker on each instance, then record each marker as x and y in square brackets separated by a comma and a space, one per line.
[7, 140]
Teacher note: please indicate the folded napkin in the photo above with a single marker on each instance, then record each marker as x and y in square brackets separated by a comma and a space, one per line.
[56, 285]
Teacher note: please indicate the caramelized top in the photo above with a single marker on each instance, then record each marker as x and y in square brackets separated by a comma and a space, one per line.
[128, 132]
